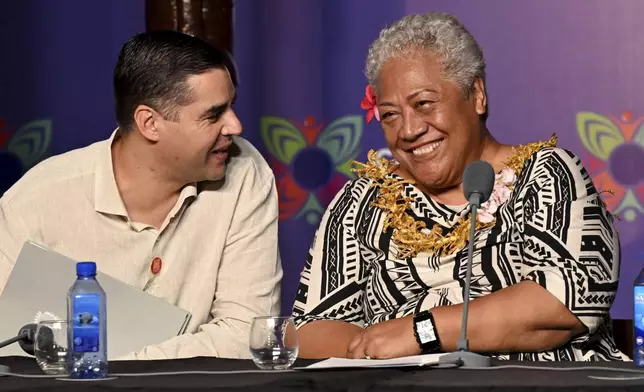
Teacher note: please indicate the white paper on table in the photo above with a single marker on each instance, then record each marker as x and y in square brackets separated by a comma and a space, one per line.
[335, 363]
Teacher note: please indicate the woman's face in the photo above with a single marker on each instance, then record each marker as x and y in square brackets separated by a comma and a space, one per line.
[432, 129]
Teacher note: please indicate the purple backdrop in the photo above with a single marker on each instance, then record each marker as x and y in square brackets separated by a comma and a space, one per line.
[553, 67]
[301, 59]
[56, 65]
[549, 61]
[570, 67]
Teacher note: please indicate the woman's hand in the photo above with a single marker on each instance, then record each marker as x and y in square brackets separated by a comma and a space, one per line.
[388, 339]
[538, 322]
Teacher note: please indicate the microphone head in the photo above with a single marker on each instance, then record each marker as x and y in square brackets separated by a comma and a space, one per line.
[28, 341]
[478, 178]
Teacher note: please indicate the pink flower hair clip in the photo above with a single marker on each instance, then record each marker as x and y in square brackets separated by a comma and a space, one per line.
[370, 105]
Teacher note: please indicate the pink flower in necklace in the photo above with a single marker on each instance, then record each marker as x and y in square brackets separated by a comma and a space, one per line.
[369, 104]
[503, 184]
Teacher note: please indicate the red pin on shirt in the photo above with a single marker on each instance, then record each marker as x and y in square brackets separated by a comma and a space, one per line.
[156, 265]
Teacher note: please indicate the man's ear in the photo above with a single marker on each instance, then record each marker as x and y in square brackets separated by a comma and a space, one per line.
[147, 120]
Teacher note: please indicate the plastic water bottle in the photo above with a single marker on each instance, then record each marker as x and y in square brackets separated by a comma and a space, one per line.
[638, 320]
[87, 323]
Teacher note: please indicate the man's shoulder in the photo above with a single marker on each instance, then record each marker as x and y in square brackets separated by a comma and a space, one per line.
[55, 174]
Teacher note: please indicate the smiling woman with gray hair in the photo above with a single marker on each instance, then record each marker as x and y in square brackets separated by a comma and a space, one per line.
[386, 271]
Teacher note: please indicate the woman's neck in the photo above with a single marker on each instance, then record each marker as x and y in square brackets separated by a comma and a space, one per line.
[492, 152]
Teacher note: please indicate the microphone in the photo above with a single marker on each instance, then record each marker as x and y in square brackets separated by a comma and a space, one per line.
[478, 182]
[25, 338]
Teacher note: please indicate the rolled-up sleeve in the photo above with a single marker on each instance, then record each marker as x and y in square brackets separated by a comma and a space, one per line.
[571, 245]
[332, 282]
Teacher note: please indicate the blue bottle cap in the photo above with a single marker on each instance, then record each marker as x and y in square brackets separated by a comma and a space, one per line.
[86, 269]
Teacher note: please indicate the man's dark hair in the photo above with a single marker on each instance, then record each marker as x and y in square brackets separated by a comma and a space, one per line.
[152, 69]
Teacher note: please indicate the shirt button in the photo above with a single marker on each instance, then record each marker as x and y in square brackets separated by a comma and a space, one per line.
[155, 266]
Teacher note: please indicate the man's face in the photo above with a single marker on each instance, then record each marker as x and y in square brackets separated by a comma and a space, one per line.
[195, 145]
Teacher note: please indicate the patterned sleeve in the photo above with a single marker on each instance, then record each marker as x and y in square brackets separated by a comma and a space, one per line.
[332, 283]
[571, 246]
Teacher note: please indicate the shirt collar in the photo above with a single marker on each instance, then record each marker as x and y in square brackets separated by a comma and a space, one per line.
[107, 198]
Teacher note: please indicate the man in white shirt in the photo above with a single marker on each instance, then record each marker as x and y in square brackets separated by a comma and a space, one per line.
[174, 202]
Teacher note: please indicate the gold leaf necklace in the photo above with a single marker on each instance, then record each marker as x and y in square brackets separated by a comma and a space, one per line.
[410, 235]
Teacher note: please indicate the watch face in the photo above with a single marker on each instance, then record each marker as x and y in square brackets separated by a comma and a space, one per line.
[426, 332]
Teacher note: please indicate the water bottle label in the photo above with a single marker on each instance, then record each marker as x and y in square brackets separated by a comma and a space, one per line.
[86, 327]
[638, 315]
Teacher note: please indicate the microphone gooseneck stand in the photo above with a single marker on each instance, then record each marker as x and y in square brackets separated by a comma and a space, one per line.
[478, 184]
[5, 369]
[13, 340]
[462, 355]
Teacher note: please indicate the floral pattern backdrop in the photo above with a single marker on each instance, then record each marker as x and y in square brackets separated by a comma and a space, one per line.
[302, 93]
[304, 102]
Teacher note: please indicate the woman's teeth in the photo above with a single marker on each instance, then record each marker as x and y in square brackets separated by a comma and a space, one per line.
[428, 148]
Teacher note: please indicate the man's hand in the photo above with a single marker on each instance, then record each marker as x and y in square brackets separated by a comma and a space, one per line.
[388, 339]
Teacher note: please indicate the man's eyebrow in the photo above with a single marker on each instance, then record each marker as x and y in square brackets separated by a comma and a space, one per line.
[214, 111]
[217, 110]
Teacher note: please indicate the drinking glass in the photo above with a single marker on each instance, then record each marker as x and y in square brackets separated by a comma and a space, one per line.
[50, 348]
[273, 342]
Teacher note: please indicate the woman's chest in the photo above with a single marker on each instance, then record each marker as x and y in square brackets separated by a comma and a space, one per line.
[496, 260]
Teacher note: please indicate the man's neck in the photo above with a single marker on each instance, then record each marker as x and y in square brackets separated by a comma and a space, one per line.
[147, 195]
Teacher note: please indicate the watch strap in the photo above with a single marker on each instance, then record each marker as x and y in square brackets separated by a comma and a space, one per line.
[426, 333]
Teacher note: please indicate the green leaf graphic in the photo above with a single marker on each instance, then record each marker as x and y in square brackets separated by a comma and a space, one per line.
[312, 210]
[282, 138]
[31, 142]
[629, 207]
[599, 134]
[345, 168]
[341, 139]
[639, 135]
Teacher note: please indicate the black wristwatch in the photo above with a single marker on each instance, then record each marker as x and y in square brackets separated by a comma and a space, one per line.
[426, 333]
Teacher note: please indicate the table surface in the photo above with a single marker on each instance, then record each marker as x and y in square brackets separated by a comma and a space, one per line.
[354, 380]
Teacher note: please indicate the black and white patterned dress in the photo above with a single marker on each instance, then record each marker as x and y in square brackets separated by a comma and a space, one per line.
[553, 230]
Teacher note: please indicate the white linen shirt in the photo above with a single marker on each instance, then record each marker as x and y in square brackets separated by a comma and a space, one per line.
[218, 245]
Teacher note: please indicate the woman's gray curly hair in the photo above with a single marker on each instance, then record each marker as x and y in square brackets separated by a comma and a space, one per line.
[434, 32]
